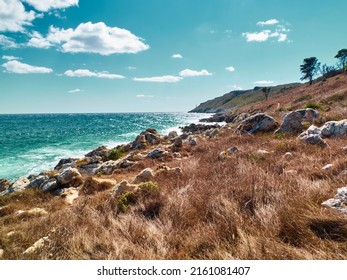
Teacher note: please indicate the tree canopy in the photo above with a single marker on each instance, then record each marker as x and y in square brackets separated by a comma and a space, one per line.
[309, 68]
[342, 57]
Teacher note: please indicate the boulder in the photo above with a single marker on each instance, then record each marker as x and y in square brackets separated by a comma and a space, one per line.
[292, 122]
[91, 168]
[192, 141]
[148, 137]
[50, 185]
[198, 128]
[38, 181]
[68, 194]
[168, 170]
[69, 176]
[184, 136]
[4, 184]
[144, 176]
[17, 186]
[334, 129]
[339, 202]
[126, 163]
[328, 166]
[101, 151]
[123, 187]
[257, 123]
[233, 150]
[1, 253]
[65, 163]
[172, 135]
[39, 244]
[214, 133]
[156, 153]
[108, 167]
[32, 212]
[313, 139]
[178, 142]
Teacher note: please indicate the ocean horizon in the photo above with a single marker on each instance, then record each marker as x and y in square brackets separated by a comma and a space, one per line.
[35, 142]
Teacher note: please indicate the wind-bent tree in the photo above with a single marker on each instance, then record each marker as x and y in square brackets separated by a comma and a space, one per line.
[266, 91]
[309, 68]
[342, 57]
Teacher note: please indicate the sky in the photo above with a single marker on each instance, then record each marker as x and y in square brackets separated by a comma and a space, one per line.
[84, 56]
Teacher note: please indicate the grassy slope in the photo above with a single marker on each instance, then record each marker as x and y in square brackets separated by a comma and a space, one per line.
[246, 206]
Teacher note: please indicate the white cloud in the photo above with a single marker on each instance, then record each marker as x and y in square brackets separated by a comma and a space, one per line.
[7, 42]
[264, 36]
[46, 5]
[235, 87]
[282, 37]
[17, 67]
[13, 16]
[263, 82]
[10, 57]
[230, 68]
[160, 79]
[257, 36]
[37, 41]
[144, 96]
[87, 73]
[279, 31]
[93, 38]
[268, 22]
[193, 73]
[77, 90]
[177, 55]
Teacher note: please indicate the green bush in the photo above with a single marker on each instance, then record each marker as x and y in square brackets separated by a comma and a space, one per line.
[116, 153]
[125, 201]
[152, 186]
[312, 105]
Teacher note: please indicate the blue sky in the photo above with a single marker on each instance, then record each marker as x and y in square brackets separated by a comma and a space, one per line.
[157, 55]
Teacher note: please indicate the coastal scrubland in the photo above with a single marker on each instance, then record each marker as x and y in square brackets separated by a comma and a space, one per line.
[261, 200]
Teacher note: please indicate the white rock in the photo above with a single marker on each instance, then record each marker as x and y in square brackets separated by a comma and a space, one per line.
[144, 176]
[37, 245]
[328, 166]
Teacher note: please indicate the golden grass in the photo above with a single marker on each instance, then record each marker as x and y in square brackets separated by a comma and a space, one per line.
[241, 207]
[248, 205]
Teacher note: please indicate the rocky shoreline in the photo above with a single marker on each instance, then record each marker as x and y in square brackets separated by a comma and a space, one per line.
[72, 176]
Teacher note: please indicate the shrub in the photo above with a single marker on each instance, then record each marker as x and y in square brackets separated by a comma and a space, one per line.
[116, 153]
[312, 105]
[125, 201]
[152, 186]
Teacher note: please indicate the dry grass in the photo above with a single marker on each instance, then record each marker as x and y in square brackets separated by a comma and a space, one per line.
[243, 207]
[249, 205]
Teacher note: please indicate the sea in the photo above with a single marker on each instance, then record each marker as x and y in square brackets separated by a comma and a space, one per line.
[32, 143]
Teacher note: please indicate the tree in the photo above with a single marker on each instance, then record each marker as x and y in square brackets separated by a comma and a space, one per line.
[309, 68]
[328, 71]
[342, 57]
[266, 91]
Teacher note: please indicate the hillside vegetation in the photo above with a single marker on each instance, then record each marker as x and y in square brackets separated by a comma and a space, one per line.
[215, 194]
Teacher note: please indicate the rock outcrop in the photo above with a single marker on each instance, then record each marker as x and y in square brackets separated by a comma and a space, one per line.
[339, 202]
[332, 129]
[257, 123]
[292, 122]
[146, 138]
[144, 176]
[69, 176]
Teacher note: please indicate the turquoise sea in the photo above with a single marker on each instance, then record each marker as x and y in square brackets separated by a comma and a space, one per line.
[33, 143]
